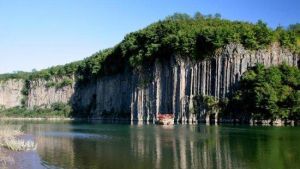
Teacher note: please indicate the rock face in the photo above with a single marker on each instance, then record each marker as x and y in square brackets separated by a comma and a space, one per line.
[170, 85]
[41, 95]
[166, 87]
[11, 93]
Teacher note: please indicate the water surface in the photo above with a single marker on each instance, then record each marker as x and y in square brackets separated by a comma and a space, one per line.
[94, 145]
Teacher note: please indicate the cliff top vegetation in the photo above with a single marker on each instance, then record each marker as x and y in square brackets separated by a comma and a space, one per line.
[196, 37]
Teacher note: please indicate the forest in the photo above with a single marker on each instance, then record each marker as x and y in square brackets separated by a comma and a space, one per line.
[196, 37]
[267, 93]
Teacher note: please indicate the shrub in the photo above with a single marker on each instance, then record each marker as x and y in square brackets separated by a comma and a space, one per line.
[9, 140]
[268, 93]
[56, 110]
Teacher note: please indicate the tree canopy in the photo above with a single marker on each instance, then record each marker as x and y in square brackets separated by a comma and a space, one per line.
[268, 93]
[196, 37]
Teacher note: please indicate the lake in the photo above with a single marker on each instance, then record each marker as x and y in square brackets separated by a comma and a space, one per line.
[95, 145]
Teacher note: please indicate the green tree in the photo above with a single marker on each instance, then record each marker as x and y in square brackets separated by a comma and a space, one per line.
[268, 93]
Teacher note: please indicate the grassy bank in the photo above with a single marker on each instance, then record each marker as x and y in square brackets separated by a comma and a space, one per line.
[11, 141]
[10, 138]
[56, 110]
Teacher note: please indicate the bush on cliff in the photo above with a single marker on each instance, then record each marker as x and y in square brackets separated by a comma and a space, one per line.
[296, 28]
[268, 93]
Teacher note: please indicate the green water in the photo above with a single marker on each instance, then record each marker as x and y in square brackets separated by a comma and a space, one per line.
[94, 145]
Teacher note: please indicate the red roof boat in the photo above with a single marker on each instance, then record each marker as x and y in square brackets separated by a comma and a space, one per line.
[165, 119]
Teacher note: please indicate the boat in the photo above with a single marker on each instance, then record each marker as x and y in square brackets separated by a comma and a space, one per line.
[165, 119]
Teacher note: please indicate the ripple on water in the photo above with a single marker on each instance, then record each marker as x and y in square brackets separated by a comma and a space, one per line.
[74, 135]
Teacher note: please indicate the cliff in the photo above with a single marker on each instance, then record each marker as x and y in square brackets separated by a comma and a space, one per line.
[42, 95]
[167, 86]
[11, 93]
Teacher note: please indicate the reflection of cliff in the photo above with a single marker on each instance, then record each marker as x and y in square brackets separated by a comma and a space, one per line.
[265, 148]
[49, 148]
[214, 147]
[182, 149]
[53, 150]
[178, 147]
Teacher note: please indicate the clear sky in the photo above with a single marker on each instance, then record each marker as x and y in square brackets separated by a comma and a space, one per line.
[42, 33]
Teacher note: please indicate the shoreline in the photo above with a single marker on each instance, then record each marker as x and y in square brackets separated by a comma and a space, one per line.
[116, 120]
[17, 153]
[39, 118]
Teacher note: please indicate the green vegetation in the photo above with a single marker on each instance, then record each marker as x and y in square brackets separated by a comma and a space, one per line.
[56, 110]
[25, 92]
[14, 75]
[57, 71]
[296, 28]
[268, 93]
[197, 37]
[10, 139]
[58, 85]
[212, 106]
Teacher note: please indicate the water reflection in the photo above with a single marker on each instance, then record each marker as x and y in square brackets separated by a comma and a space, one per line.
[54, 150]
[179, 147]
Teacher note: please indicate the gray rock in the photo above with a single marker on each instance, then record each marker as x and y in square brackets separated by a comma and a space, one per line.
[167, 86]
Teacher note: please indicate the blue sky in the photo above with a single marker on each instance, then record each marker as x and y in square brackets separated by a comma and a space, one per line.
[42, 33]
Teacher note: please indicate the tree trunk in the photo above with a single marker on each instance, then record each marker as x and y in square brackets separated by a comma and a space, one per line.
[207, 118]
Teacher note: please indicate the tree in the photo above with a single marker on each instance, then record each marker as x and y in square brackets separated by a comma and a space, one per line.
[218, 15]
[263, 34]
[209, 104]
[295, 27]
[199, 16]
[179, 16]
[268, 93]
[197, 37]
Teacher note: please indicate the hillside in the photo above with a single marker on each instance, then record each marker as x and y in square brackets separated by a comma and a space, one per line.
[162, 68]
[196, 37]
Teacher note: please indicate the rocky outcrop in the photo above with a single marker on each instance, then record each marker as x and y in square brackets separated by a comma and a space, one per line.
[11, 93]
[42, 95]
[166, 87]
[170, 85]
